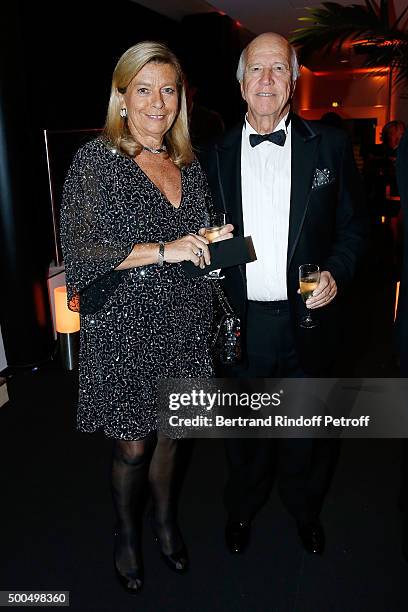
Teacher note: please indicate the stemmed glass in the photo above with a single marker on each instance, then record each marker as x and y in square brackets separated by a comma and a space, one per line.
[309, 278]
[211, 233]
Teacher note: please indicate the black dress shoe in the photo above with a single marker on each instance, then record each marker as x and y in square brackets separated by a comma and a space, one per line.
[312, 537]
[237, 536]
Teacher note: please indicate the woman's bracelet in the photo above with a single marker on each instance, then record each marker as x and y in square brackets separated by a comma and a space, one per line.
[160, 258]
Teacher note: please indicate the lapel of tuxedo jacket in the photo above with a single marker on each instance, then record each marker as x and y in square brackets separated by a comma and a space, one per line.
[229, 177]
[229, 180]
[304, 153]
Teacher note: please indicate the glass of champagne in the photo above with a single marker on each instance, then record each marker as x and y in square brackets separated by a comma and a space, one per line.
[211, 233]
[309, 277]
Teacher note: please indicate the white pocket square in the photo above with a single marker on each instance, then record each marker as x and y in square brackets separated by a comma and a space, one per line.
[322, 177]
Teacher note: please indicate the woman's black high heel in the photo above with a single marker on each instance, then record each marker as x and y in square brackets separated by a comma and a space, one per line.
[164, 484]
[178, 561]
[131, 580]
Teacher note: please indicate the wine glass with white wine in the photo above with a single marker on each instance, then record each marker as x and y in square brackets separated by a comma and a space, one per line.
[309, 278]
[211, 233]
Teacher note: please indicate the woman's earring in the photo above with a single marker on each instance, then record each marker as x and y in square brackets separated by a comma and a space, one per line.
[123, 112]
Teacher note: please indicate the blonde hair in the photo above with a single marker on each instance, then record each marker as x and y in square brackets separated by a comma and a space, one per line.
[116, 130]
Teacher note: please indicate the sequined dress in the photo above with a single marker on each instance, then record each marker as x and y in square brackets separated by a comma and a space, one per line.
[142, 324]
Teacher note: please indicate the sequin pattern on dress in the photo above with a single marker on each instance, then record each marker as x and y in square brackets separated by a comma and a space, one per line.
[154, 322]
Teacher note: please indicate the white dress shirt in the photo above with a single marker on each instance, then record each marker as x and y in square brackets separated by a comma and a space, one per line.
[266, 184]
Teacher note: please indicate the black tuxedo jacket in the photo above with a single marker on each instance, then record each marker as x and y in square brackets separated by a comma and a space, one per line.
[327, 223]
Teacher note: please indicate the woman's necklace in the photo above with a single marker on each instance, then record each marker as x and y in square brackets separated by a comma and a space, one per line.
[155, 151]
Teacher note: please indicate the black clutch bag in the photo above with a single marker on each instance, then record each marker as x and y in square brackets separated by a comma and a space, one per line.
[224, 254]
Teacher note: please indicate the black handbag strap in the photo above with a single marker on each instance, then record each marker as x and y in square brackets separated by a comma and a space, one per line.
[223, 300]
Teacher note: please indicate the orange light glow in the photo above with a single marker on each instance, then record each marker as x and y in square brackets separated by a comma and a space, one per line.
[378, 71]
[40, 309]
[66, 321]
[396, 300]
[393, 42]
[305, 90]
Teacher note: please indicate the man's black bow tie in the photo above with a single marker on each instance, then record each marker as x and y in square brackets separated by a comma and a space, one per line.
[278, 138]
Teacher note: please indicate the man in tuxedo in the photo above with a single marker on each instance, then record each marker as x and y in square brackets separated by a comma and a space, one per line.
[293, 186]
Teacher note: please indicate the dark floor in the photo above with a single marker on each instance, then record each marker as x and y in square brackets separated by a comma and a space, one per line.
[57, 523]
[57, 518]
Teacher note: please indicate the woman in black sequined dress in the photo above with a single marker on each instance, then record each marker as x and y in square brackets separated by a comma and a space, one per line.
[135, 205]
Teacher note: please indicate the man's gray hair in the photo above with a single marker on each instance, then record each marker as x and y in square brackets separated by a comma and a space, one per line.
[293, 60]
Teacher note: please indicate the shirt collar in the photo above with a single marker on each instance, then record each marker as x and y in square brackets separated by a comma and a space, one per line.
[282, 125]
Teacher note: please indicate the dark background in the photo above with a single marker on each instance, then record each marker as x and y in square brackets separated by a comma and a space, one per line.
[56, 66]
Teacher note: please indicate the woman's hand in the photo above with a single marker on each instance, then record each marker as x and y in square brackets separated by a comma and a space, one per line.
[192, 247]
[225, 233]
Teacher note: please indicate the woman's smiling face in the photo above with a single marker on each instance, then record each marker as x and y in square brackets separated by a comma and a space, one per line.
[152, 102]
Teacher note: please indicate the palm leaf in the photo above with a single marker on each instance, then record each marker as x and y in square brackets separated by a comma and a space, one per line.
[398, 21]
[330, 27]
[367, 27]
